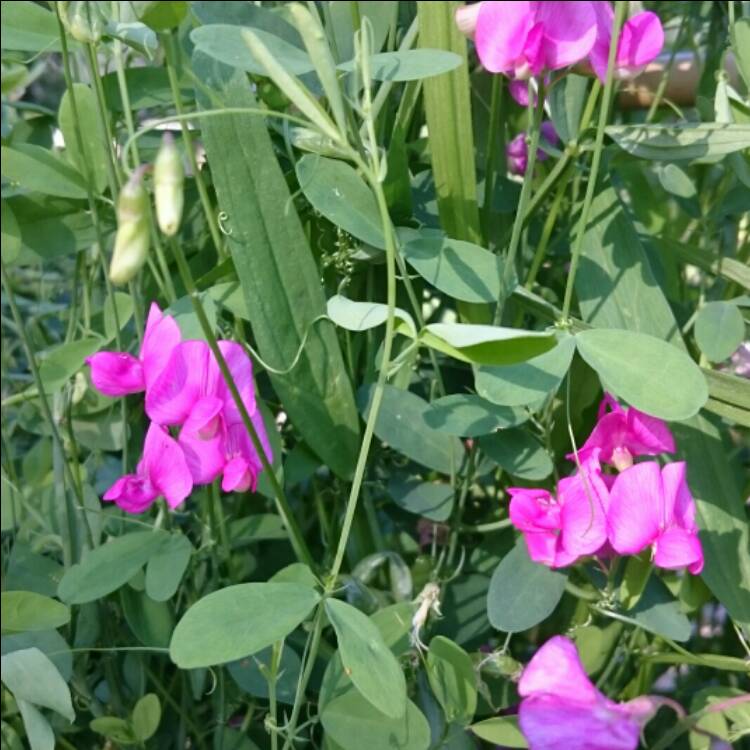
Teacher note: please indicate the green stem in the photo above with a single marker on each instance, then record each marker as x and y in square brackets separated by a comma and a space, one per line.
[298, 543]
[213, 224]
[493, 143]
[535, 120]
[620, 11]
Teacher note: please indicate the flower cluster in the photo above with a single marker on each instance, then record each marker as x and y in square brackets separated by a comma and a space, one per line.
[642, 506]
[523, 39]
[184, 387]
[561, 708]
[517, 151]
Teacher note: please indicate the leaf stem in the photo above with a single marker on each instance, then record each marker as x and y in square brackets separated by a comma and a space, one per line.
[620, 11]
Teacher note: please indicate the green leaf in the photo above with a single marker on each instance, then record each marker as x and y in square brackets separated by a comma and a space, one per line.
[279, 278]
[529, 382]
[401, 425]
[712, 661]
[674, 180]
[367, 660]
[95, 149]
[31, 676]
[146, 717]
[741, 46]
[336, 190]
[160, 16]
[237, 621]
[109, 566]
[463, 270]
[151, 622]
[719, 330]
[115, 729]
[49, 642]
[11, 234]
[409, 65]
[36, 168]
[450, 672]
[124, 304]
[659, 612]
[643, 371]
[567, 99]
[519, 453]
[522, 593]
[248, 675]
[27, 610]
[226, 44]
[500, 730]
[486, 345]
[166, 567]
[361, 316]
[433, 500]
[29, 27]
[467, 415]
[678, 142]
[38, 730]
[637, 572]
[65, 361]
[354, 724]
[447, 104]
[380, 15]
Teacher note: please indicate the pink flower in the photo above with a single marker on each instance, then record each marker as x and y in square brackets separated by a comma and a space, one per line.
[652, 507]
[740, 361]
[517, 151]
[119, 373]
[558, 530]
[163, 470]
[191, 391]
[561, 708]
[522, 39]
[641, 40]
[622, 434]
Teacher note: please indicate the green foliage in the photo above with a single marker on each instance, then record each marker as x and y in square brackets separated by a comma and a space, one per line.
[370, 588]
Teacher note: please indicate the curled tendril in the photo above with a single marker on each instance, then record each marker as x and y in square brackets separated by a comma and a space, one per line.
[221, 218]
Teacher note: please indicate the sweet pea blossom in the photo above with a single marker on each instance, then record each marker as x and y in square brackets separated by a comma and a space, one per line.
[163, 471]
[517, 151]
[561, 708]
[641, 40]
[120, 373]
[621, 434]
[560, 529]
[650, 506]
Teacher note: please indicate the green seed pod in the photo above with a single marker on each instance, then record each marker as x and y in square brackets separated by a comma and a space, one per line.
[169, 178]
[132, 239]
[82, 20]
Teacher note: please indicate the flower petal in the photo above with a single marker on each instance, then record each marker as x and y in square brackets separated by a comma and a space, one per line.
[570, 31]
[204, 420]
[165, 465]
[678, 548]
[556, 669]
[205, 458]
[239, 476]
[584, 498]
[543, 547]
[161, 337]
[501, 32]
[641, 40]
[241, 368]
[179, 386]
[533, 510]
[133, 493]
[636, 501]
[647, 435]
[552, 722]
[116, 373]
[599, 55]
[679, 506]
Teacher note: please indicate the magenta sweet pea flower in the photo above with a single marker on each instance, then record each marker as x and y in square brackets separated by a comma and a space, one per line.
[517, 151]
[622, 434]
[119, 373]
[561, 708]
[560, 529]
[641, 40]
[652, 507]
[191, 391]
[163, 471]
[522, 39]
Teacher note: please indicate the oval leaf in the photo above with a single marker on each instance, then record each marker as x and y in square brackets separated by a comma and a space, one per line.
[719, 330]
[237, 621]
[467, 415]
[36, 168]
[361, 316]
[27, 610]
[452, 679]
[409, 65]
[643, 371]
[433, 500]
[367, 660]
[519, 453]
[522, 593]
[166, 568]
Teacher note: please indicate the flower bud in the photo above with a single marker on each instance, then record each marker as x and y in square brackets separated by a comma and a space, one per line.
[132, 239]
[82, 20]
[169, 176]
